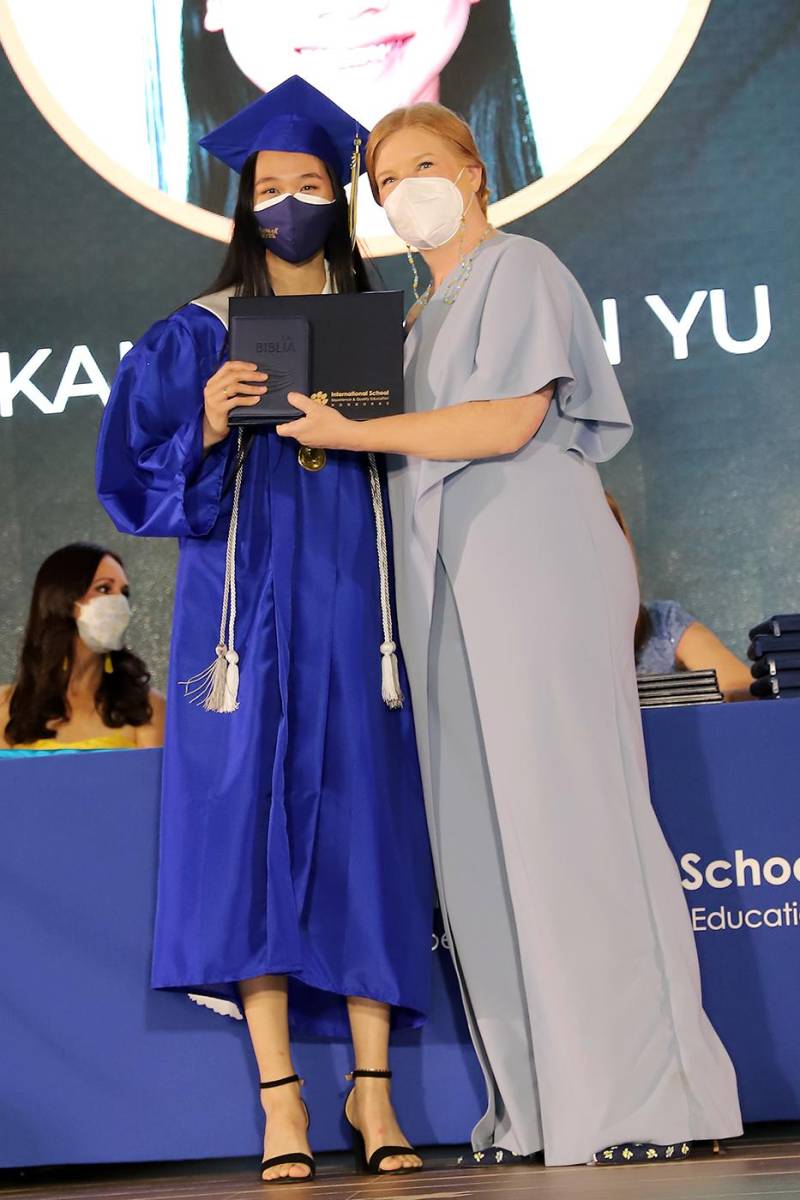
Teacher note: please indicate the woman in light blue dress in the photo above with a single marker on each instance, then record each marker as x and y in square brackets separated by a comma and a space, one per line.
[517, 599]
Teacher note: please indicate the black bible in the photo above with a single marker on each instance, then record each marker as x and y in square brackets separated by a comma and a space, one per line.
[344, 350]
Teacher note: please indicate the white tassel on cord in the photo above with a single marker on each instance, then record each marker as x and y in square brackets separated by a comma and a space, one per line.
[390, 672]
[217, 687]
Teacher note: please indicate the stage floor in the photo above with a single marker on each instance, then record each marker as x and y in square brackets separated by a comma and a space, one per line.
[764, 1164]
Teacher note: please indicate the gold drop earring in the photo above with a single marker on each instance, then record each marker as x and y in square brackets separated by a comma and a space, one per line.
[420, 299]
[462, 232]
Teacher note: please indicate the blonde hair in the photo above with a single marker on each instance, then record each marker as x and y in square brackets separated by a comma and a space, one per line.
[436, 119]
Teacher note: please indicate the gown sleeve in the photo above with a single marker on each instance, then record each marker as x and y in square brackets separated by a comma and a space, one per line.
[152, 477]
[537, 327]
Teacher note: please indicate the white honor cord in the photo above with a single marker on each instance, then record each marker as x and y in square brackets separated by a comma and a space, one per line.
[217, 687]
[390, 673]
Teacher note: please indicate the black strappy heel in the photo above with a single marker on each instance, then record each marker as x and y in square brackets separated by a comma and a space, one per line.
[304, 1159]
[372, 1165]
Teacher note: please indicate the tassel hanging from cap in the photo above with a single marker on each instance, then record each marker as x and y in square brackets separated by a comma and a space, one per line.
[217, 687]
[355, 175]
[390, 671]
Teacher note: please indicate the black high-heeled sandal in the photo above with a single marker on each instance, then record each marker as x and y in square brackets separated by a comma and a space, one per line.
[304, 1159]
[372, 1165]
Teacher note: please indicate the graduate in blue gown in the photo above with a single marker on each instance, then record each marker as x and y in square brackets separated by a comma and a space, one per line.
[294, 877]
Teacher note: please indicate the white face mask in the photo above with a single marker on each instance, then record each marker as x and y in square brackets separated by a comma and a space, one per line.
[103, 621]
[426, 211]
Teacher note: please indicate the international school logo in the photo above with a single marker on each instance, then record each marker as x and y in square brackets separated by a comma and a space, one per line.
[774, 905]
[550, 89]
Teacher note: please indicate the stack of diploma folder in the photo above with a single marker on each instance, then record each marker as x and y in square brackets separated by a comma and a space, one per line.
[679, 687]
[775, 653]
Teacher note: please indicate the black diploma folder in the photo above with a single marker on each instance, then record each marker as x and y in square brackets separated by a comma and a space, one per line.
[777, 626]
[785, 682]
[678, 687]
[763, 644]
[345, 350]
[787, 660]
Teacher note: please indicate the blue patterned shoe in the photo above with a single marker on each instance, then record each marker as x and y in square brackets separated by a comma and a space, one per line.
[640, 1152]
[496, 1156]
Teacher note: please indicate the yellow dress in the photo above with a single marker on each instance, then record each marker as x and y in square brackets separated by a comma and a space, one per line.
[113, 740]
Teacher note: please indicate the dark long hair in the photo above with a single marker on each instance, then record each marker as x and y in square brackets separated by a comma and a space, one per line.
[482, 82]
[39, 693]
[245, 264]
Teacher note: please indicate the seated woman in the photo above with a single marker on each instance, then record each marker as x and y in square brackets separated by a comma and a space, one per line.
[668, 638]
[77, 686]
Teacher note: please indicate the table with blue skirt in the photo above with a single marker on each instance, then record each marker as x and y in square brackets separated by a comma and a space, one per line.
[96, 1067]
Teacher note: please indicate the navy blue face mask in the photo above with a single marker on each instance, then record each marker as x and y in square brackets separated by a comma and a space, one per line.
[295, 227]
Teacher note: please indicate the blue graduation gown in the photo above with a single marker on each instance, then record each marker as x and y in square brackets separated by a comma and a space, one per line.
[293, 838]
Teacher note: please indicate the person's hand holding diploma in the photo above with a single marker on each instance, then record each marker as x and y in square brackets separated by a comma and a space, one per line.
[472, 430]
[321, 427]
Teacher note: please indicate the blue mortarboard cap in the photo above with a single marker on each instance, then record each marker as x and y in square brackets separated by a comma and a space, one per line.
[294, 116]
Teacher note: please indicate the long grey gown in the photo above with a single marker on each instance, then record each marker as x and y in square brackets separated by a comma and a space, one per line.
[517, 599]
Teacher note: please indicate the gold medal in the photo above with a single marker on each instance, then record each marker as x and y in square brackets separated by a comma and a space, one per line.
[311, 459]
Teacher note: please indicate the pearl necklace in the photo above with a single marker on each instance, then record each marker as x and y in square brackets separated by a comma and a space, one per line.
[464, 271]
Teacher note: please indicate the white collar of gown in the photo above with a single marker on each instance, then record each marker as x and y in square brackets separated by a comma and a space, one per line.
[217, 302]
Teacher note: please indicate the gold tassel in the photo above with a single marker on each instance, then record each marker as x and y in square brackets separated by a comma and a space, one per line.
[355, 175]
[108, 665]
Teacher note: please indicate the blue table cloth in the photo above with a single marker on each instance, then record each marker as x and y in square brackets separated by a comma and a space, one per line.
[95, 1067]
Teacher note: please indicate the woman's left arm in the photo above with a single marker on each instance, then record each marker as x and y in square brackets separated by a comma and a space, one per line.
[699, 648]
[522, 354]
[478, 429]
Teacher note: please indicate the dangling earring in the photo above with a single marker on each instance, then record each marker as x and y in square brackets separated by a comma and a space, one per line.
[108, 665]
[461, 235]
[65, 665]
[420, 299]
[415, 273]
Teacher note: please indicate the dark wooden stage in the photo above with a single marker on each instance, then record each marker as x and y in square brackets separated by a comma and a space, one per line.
[764, 1164]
